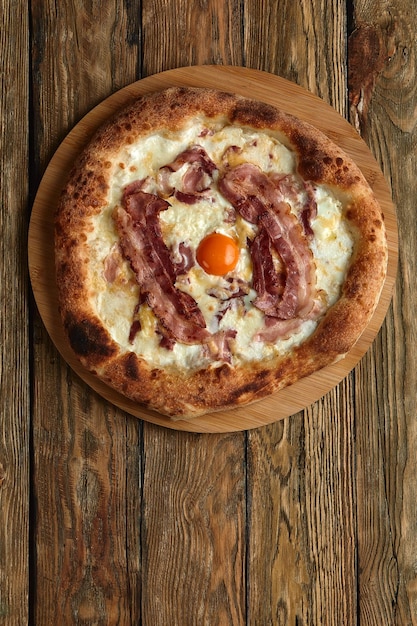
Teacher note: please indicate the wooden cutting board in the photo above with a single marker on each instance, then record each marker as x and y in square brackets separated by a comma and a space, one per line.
[247, 82]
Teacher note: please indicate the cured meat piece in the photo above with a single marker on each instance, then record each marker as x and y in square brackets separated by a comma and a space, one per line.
[309, 210]
[142, 245]
[196, 177]
[183, 259]
[112, 264]
[278, 329]
[266, 280]
[243, 186]
[301, 195]
[259, 200]
[219, 347]
[287, 238]
[194, 155]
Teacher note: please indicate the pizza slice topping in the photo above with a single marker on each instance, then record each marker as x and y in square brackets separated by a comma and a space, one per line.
[218, 254]
[283, 271]
[301, 194]
[266, 276]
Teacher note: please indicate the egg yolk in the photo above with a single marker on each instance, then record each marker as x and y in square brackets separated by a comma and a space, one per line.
[217, 254]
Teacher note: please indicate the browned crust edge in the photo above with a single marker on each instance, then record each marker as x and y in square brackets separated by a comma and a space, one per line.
[224, 387]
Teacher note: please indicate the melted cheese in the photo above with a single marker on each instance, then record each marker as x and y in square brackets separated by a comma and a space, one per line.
[115, 303]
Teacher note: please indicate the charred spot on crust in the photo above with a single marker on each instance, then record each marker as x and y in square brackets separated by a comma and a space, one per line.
[182, 91]
[222, 371]
[89, 340]
[250, 388]
[131, 367]
[352, 288]
[253, 387]
[257, 114]
[316, 164]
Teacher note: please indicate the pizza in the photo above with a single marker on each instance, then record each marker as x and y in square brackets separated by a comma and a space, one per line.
[211, 249]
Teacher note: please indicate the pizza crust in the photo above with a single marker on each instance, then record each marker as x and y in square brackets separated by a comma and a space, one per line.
[184, 393]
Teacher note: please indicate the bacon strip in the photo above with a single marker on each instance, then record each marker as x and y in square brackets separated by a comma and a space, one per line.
[142, 245]
[194, 155]
[278, 329]
[243, 187]
[288, 240]
[196, 178]
[184, 258]
[301, 194]
[309, 211]
[266, 280]
[259, 200]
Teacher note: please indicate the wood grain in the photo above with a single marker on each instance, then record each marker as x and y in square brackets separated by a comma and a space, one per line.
[179, 33]
[308, 47]
[86, 456]
[14, 362]
[194, 529]
[387, 467]
[264, 86]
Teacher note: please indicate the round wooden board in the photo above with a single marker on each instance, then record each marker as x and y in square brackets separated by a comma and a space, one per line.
[247, 82]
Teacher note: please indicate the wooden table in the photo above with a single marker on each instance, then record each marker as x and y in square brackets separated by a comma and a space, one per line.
[109, 519]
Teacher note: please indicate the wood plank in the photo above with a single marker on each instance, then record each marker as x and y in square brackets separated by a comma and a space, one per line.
[301, 472]
[14, 316]
[302, 556]
[85, 567]
[309, 46]
[384, 108]
[178, 33]
[194, 528]
[86, 455]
